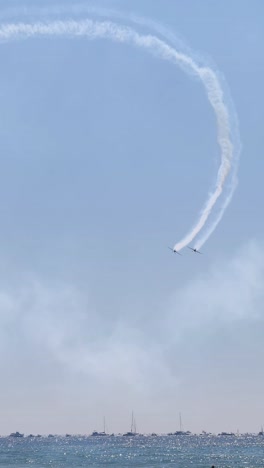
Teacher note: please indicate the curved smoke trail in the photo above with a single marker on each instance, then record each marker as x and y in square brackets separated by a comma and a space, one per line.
[92, 29]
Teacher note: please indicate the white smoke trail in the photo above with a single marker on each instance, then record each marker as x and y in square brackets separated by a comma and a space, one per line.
[92, 29]
[233, 182]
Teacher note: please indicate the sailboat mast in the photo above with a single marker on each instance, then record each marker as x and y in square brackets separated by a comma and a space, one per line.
[132, 422]
[135, 426]
[180, 421]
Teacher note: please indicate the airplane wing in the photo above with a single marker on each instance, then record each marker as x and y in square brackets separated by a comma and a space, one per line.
[174, 251]
[194, 250]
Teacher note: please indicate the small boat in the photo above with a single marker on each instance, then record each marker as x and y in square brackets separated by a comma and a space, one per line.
[100, 434]
[181, 432]
[133, 431]
[16, 434]
[129, 434]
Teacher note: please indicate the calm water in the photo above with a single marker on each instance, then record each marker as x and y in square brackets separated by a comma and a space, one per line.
[181, 452]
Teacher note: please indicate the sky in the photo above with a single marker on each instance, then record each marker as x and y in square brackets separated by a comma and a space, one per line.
[107, 156]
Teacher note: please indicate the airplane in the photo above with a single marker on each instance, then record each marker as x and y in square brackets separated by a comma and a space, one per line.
[174, 251]
[194, 250]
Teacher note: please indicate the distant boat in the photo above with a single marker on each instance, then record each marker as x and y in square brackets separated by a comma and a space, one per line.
[226, 434]
[261, 432]
[133, 430]
[100, 434]
[16, 434]
[181, 431]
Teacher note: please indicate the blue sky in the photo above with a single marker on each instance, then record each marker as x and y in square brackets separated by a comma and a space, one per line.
[107, 155]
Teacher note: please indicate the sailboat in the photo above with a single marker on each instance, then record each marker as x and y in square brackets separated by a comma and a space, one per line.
[181, 431]
[133, 429]
[100, 434]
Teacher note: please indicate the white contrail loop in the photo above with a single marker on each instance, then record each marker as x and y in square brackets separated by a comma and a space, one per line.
[92, 29]
[215, 96]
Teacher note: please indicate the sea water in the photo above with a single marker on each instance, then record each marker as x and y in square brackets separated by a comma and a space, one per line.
[137, 451]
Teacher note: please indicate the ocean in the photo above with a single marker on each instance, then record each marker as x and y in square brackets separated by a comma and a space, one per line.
[138, 451]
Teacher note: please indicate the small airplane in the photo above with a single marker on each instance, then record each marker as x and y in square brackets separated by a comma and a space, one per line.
[194, 250]
[174, 251]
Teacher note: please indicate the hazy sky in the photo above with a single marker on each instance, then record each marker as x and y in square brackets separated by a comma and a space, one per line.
[107, 156]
